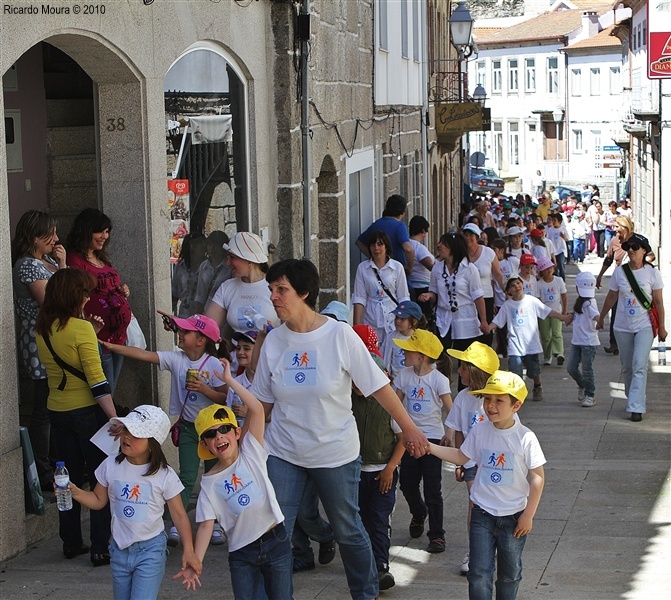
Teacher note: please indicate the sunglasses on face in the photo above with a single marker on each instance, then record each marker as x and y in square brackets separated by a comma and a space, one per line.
[634, 247]
[169, 324]
[212, 433]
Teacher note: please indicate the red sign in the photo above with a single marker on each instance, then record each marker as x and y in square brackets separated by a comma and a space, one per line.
[659, 42]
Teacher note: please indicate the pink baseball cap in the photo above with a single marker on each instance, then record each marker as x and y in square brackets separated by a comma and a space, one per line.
[208, 327]
[544, 263]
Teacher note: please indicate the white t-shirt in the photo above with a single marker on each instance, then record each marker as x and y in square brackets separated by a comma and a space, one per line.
[580, 229]
[394, 359]
[522, 320]
[466, 412]
[542, 251]
[504, 458]
[420, 275]
[631, 316]
[241, 497]
[510, 267]
[240, 299]
[136, 502]
[232, 398]
[550, 293]
[531, 286]
[308, 379]
[554, 235]
[369, 292]
[484, 267]
[210, 279]
[177, 363]
[584, 325]
[422, 399]
[464, 288]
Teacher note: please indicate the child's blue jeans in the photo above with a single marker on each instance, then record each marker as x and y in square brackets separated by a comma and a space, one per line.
[137, 571]
[492, 537]
[582, 355]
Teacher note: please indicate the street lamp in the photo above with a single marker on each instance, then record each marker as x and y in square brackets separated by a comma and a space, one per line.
[480, 96]
[557, 115]
[461, 30]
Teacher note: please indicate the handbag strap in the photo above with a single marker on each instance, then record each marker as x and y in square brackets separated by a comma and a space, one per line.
[181, 412]
[63, 365]
[636, 288]
[384, 287]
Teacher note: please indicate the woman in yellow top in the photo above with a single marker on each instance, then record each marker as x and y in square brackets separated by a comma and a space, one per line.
[79, 400]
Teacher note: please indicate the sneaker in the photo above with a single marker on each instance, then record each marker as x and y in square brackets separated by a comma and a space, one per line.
[416, 527]
[588, 401]
[547, 361]
[636, 417]
[538, 394]
[327, 551]
[436, 545]
[581, 395]
[385, 580]
[560, 360]
[218, 536]
[173, 537]
[463, 570]
[303, 565]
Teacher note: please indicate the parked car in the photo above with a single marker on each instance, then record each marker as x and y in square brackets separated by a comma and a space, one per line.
[565, 192]
[485, 180]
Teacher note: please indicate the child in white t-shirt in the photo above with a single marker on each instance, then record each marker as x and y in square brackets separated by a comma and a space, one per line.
[244, 349]
[407, 317]
[138, 482]
[507, 489]
[238, 493]
[424, 392]
[585, 338]
[521, 313]
[528, 275]
[552, 293]
[476, 364]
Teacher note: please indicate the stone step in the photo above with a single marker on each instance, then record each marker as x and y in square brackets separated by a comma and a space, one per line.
[70, 112]
[76, 168]
[67, 141]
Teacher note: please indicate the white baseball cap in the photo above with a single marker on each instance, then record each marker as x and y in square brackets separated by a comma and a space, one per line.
[247, 246]
[146, 421]
[515, 230]
[473, 228]
[586, 284]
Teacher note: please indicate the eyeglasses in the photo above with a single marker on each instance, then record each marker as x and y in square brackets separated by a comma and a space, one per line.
[212, 433]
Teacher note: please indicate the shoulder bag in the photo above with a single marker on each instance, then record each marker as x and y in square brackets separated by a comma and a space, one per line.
[384, 287]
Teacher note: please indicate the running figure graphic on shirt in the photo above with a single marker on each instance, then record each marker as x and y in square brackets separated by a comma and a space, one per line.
[296, 361]
[236, 481]
[125, 491]
[229, 488]
[135, 492]
[492, 460]
[304, 360]
[501, 461]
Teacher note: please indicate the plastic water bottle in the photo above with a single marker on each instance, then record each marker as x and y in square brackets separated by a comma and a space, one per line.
[63, 493]
[253, 319]
[661, 353]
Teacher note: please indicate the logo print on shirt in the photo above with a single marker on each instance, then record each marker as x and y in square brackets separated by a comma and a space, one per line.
[499, 467]
[243, 500]
[300, 367]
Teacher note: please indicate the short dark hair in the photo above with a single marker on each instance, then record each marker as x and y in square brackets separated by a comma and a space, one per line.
[301, 274]
[396, 205]
[418, 224]
[380, 235]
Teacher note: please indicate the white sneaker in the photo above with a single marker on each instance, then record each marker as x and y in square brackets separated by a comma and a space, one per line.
[588, 402]
[173, 537]
[581, 395]
[218, 536]
[464, 565]
[547, 361]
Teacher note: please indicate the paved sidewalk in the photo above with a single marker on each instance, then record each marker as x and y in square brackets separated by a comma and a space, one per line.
[602, 531]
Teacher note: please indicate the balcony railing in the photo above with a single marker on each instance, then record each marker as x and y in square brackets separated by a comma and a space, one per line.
[644, 95]
[446, 82]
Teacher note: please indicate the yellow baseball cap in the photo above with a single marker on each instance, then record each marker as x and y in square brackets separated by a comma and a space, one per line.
[504, 382]
[480, 355]
[422, 341]
[209, 417]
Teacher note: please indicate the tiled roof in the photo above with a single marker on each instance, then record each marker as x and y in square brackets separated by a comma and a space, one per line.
[591, 4]
[549, 25]
[603, 39]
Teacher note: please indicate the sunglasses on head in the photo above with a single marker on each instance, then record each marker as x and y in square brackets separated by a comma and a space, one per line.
[212, 433]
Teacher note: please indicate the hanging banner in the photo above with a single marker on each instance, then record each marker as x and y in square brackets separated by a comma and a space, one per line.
[659, 40]
[455, 118]
[178, 206]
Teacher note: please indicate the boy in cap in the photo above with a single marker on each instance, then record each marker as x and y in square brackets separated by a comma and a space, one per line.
[238, 494]
[507, 489]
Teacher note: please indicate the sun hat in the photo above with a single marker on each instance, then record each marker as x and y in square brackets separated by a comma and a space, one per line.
[482, 356]
[146, 421]
[504, 382]
[208, 327]
[544, 263]
[586, 284]
[369, 338]
[248, 246]
[422, 341]
[514, 230]
[637, 238]
[472, 228]
[247, 336]
[337, 310]
[527, 259]
[536, 233]
[408, 309]
[207, 418]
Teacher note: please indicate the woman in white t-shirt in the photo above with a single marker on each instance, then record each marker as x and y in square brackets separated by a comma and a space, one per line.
[632, 328]
[243, 302]
[304, 379]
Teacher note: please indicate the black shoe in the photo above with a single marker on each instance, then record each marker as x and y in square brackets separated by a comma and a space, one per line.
[327, 551]
[303, 565]
[612, 350]
[70, 554]
[636, 417]
[386, 580]
[416, 527]
[436, 545]
[100, 560]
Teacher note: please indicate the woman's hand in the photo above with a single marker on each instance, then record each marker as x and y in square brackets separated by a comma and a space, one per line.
[661, 335]
[97, 322]
[59, 255]
[599, 322]
[124, 289]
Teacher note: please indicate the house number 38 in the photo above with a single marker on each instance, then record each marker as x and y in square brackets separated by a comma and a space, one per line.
[117, 124]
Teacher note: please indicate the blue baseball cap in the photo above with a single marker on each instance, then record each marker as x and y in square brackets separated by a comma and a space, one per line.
[408, 309]
[337, 310]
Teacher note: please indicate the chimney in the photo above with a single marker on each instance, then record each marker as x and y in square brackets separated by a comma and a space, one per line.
[590, 24]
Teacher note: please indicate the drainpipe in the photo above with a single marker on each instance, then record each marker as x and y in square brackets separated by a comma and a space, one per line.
[425, 116]
[304, 36]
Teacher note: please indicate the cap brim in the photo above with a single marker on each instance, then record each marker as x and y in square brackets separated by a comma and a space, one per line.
[458, 354]
[204, 453]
